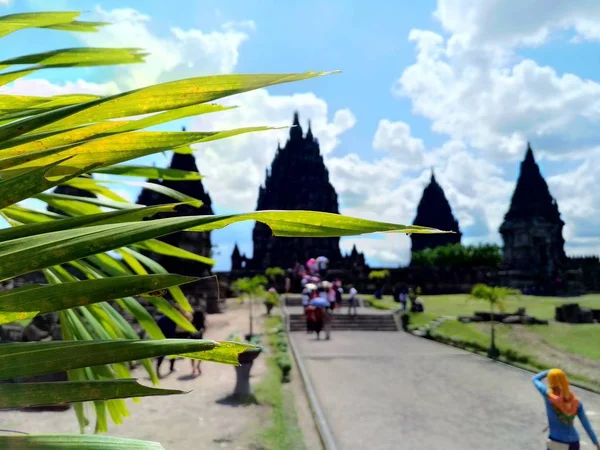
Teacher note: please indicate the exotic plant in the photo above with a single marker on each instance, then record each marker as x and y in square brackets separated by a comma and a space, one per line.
[274, 272]
[250, 288]
[90, 253]
[496, 296]
[379, 274]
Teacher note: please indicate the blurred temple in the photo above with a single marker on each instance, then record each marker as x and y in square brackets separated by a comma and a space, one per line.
[296, 180]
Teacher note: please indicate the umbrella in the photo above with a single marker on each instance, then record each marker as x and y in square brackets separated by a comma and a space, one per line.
[311, 262]
[323, 259]
[326, 284]
[319, 302]
[311, 286]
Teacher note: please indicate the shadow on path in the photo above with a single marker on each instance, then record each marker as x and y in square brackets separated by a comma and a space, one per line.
[236, 400]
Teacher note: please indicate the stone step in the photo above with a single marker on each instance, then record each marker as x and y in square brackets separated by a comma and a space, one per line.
[297, 301]
[365, 322]
[339, 327]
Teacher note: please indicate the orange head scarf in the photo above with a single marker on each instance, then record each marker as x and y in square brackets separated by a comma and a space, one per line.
[566, 403]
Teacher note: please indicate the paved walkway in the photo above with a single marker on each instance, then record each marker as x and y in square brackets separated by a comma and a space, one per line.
[396, 391]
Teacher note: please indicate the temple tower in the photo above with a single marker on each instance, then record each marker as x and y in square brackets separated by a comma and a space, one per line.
[532, 228]
[434, 211]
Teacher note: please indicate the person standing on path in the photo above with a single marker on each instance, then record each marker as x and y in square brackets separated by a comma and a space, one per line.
[199, 322]
[562, 406]
[353, 301]
[168, 327]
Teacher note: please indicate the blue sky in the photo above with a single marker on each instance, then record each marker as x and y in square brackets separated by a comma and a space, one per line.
[452, 84]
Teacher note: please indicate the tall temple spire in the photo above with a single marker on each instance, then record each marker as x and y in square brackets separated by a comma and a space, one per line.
[296, 130]
[434, 211]
[532, 196]
[298, 180]
[532, 227]
[309, 133]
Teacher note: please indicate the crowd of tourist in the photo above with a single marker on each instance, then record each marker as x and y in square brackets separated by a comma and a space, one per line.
[320, 297]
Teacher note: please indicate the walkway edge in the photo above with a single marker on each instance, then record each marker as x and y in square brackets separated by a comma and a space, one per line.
[319, 417]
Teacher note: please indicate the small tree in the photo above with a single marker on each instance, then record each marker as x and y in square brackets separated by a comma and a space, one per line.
[251, 288]
[379, 276]
[496, 296]
[274, 272]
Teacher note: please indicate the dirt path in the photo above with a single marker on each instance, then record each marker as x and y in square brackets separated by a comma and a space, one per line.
[202, 419]
[552, 356]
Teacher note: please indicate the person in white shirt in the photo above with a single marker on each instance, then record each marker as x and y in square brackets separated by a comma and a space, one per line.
[353, 300]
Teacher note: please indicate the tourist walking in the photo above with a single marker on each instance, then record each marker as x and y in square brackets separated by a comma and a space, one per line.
[168, 327]
[562, 406]
[403, 297]
[199, 322]
[353, 301]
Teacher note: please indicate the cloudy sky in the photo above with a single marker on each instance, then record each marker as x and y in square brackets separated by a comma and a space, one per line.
[458, 85]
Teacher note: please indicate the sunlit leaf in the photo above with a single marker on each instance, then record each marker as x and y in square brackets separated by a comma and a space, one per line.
[21, 395]
[74, 442]
[44, 299]
[151, 173]
[23, 255]
[40, 358]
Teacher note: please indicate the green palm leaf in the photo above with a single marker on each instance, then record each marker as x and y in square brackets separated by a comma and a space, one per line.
[22, 395]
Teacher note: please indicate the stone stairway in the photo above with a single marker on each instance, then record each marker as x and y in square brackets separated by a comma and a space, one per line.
[366, 320]
[296, 300]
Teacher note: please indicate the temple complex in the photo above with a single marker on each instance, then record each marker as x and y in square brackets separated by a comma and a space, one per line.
[534, 251]
[296, 180]
[434, 211]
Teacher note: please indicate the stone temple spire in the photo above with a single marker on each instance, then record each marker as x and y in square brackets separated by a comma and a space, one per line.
[297, 180]
[296, 130]
[434, 211]
[309, 133]
[532, 228]
[532, 196]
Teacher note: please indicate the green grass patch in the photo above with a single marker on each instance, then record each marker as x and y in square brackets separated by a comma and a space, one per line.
[282, 432]
[465, 305]
[582, 339]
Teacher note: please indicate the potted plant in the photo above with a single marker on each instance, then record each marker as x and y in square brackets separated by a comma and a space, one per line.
[242, 389]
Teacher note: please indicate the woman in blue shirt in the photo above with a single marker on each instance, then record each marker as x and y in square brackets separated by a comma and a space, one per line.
[562, 405]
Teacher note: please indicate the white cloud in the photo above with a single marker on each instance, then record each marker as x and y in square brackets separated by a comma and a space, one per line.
[395, 138]
[5, 2]
[517, 22]
[42, 87]
[179, 54]
[497, 106]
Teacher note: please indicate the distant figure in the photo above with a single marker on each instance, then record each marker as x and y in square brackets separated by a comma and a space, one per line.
[168, 327]
[403, 297]
[338, 295]
[315, 319]
[561, 407]
[199, 322]
[305, 297]
[353, 301]
[332, 297]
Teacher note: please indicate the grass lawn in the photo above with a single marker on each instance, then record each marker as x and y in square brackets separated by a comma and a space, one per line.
[464, 304]
[581, 339]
